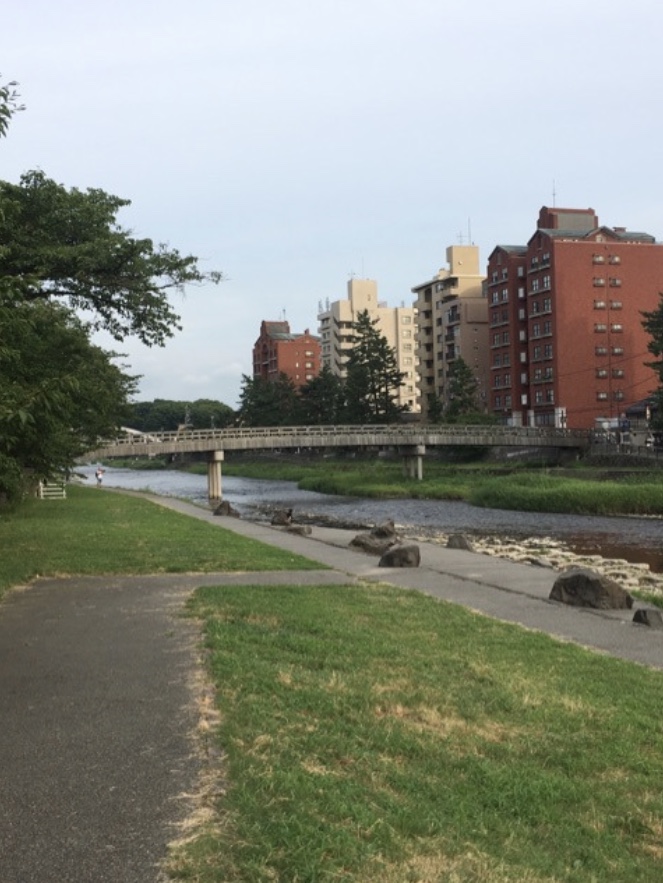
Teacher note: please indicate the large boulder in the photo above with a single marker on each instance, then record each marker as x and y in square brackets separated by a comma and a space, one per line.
[224, 508]
[459, 541]
[401, 556]
[302, 530]
[377, 540]
[582, 587]
[651, 616]
[371, 544]
[386, 530]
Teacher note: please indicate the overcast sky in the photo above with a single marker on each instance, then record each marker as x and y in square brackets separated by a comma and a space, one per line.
[292, 143]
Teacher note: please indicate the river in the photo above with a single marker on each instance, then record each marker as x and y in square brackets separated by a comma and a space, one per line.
[633, 539]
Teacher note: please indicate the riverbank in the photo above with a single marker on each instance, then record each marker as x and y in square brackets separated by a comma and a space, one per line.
[620, 488]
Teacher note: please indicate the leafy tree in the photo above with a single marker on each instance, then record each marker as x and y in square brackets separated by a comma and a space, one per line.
[653, 325]
[322, 399]
[373, 378]
[8, 105]
[268, 402]
[59, 396]
[67, 244]
[463, 393]
[209, 414]
[167, 416]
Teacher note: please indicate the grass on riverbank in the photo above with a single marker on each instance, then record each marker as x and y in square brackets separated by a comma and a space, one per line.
[579, 491]
[376, 734]
[97, 531]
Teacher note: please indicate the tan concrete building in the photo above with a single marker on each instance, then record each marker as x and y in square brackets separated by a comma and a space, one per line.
[396, 324]
[452, 323]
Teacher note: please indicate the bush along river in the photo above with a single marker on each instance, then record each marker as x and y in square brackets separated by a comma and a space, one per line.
[631, 539]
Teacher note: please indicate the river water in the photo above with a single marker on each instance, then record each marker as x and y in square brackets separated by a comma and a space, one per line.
[633, 539]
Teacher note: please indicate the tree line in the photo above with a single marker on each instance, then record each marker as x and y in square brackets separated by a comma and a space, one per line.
[68, 269]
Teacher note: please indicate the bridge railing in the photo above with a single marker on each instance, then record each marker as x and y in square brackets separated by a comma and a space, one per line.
[369, 434]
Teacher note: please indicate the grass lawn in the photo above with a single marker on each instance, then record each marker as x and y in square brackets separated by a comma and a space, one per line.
[372, 734]
[103, 532]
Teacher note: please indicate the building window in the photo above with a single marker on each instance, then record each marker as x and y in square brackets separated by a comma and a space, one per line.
[498, 401]
[547, 351]
[523, 357]
[521, 293]
[617, 372]
[496, 339]
[598, 282]
[614, 259]
[538, 375]
[547, 305]
[547, 328]
[546, 282]
[538, 397]
[535, 307]
[406, 320]
[507, 401]
[617, 328]
[505, 337]
[601, 396]
[615, 283]
[601, 372]
[615, 305]
[617, 350]
[600, 328]
[505, 294]
[600, 350]
[536, 353]
[495, 297]
[535, 285]
[497, 360]
[598, 259]
[599, 305]
[536, 330]
[507, 380]
[550, 396]
[506, 360]
[521, 272]
[618, 395]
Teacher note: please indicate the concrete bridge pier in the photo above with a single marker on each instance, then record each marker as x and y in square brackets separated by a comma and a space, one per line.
[413, 461]
[214, 461]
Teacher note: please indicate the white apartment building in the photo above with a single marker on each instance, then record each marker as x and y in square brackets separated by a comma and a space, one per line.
[452, 323]
[396, 324]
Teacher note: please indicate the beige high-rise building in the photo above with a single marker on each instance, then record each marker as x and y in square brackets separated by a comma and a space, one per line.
[452, 323]
[396, 324]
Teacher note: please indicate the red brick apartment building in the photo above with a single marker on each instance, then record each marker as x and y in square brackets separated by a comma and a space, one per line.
[278, 351]
[567, 344]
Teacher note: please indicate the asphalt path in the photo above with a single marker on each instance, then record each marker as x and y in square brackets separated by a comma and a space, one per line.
[100, 693]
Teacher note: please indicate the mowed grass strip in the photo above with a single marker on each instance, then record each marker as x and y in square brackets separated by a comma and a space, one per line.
[372, 734]
[97, 532]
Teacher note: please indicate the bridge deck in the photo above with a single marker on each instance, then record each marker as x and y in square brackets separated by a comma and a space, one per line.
[292, 437]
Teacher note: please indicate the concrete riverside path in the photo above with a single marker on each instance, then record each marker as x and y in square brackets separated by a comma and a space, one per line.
[101, 689]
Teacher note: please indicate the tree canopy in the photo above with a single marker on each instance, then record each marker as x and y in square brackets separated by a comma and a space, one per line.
[373, 378]
[653, 325]
[59, 243]
[68, 268]
[59, 394]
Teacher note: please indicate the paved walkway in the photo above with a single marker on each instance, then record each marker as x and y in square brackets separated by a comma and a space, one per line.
[99, 690]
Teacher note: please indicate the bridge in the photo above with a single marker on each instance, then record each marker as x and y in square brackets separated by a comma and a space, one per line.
[410, 440]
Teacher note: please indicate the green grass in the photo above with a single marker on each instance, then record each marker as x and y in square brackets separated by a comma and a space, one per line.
[372, 734]
[578, 491]
[104, 532]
